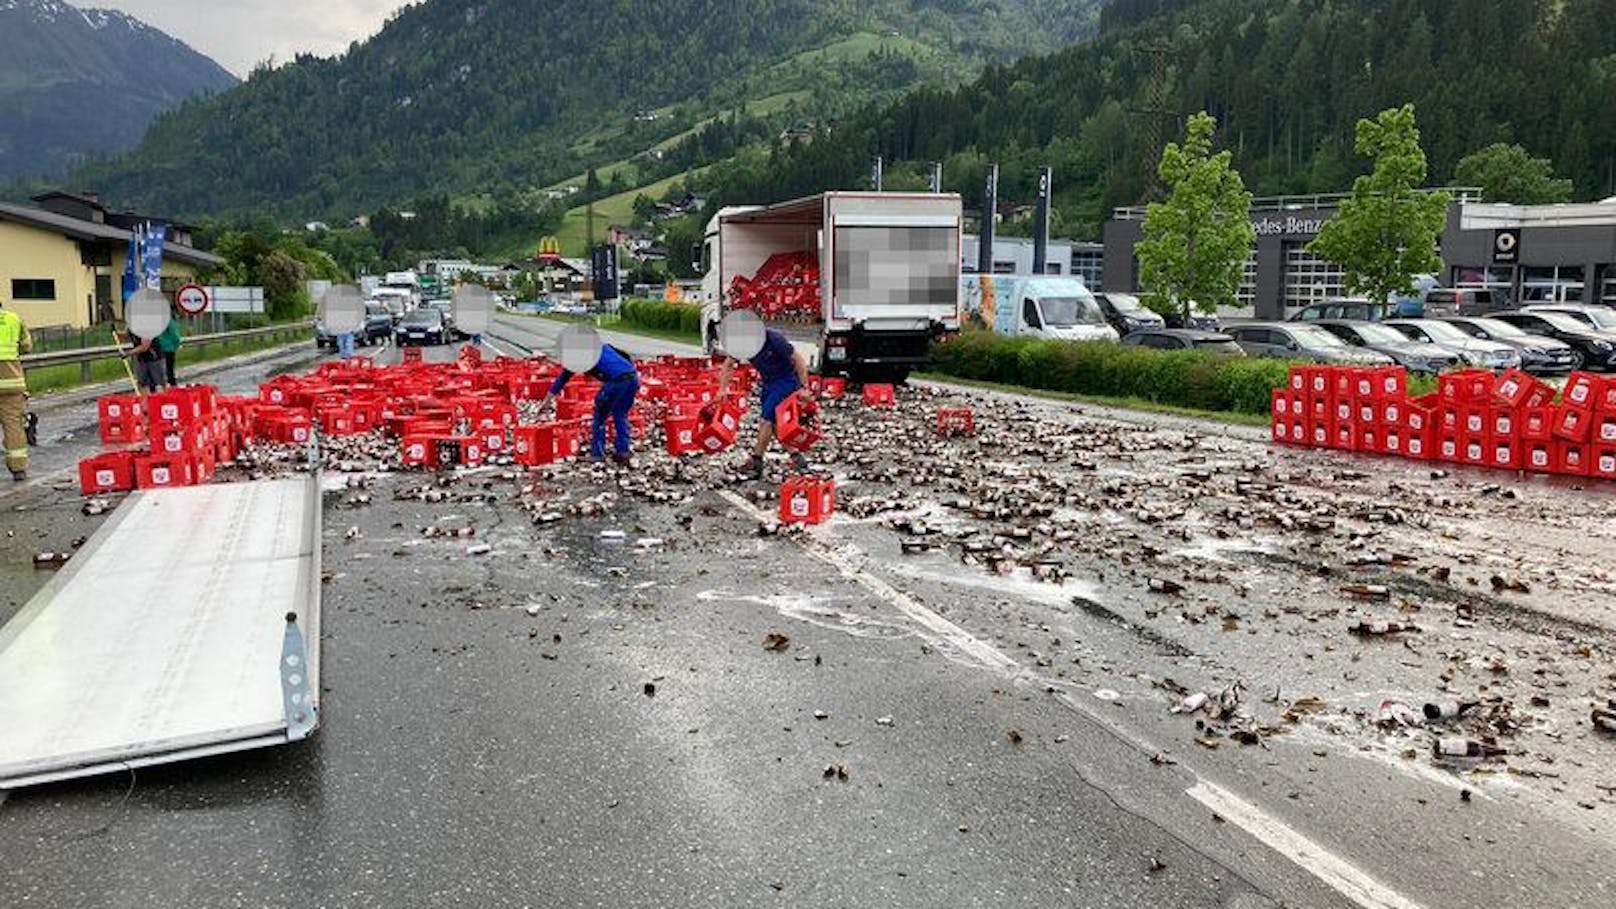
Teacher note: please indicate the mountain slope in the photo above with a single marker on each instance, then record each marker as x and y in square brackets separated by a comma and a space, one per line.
[505, 96]
[1288, 79]
[78, 82]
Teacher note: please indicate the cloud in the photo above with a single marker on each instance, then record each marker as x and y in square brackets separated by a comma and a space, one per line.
[241, 33]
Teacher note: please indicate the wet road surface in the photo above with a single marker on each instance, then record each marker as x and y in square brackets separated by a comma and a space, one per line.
[572, 720]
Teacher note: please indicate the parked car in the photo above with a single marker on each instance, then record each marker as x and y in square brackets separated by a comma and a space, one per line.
[1463, 301]
[1599, 318]
[1539, 355]
[1126, 314]
[424, 325]
[1198, 321]
[1355, 308]
[1294, 341]
[1185, 339]
[1472, 350]
[1411, 355]
[1591, 348]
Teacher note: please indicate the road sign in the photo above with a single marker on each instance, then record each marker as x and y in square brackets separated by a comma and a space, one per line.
[192, 299]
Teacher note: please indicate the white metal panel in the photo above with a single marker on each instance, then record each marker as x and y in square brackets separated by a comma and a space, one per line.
[163, 636]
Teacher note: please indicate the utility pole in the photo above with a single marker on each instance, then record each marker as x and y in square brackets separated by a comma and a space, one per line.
[1158, 116]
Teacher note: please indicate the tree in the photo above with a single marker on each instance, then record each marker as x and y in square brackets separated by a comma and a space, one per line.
[1387, 231]
[1196, 243]
[1509, 173]
[282, 277]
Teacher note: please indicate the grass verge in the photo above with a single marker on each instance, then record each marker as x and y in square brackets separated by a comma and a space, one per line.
[1231, 418]
[61, 378]
[614, 323]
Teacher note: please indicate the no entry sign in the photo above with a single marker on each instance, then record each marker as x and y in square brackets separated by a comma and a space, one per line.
[192, 299]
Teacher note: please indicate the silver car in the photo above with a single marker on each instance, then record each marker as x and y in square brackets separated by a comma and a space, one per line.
[1301, 341]
[1539, 355]
[1411, 355]
[1472, 350]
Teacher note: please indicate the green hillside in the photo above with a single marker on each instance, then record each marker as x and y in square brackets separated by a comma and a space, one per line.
[1287, 79]
[499, 98]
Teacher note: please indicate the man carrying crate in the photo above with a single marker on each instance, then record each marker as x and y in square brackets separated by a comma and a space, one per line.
[781, 368]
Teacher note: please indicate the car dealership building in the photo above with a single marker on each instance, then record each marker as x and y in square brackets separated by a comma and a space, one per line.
[1531, 252]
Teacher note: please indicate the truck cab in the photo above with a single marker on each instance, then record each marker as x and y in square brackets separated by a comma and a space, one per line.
[1039, 306]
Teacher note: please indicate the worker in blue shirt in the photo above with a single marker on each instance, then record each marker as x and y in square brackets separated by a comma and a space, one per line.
[781, 368]
[620, 382]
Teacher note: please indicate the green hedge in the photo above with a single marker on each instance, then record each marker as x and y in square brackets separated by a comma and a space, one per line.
[660, 315]
[1187, 378]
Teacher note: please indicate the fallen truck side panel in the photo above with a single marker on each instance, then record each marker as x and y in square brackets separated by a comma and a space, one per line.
[188, 625]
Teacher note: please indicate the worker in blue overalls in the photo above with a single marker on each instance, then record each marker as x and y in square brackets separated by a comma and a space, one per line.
[781, 369]
[583, 352]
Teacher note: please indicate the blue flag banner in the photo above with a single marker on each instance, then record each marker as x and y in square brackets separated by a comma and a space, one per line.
[131, 267]
[155, 235]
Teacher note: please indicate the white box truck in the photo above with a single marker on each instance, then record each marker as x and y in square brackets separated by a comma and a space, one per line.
[1039, 306]
[888, 275]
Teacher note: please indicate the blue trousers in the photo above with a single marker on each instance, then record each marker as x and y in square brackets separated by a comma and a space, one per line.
[345, 345]
[613, 401]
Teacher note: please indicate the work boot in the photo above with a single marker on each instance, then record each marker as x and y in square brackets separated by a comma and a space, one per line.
[623, 459]
[799, 462]
[753, 468]
[18, 476]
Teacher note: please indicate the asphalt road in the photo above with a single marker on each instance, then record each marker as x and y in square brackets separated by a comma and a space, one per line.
[572, 721]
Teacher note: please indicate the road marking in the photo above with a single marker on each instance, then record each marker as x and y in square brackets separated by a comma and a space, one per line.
[945, 630]
[1334, 871]
[1337, 872]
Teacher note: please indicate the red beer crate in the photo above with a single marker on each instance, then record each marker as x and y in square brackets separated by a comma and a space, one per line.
[1320, 433]
[834, 387]
[122, 418]
[1571, 458]
[1584, 390]
[1473, 449]
[411, 354]
[1502, 423]
[1519, 389]
[1467, 386]
[1573, 424]
[1604, 428]
[534, 445]
[1538, 455]
[796, 423]
[680, 435]
[1367, 439]
[1419, 444]
[718, 425]
[111, 471]
[419, 451]
[1473, 420]
[175, 407]
[1392, 439]
[1504, 452]
[1604, 463]
[164, 471]
[1391, 411]
[956, 421]
[879, 395]
[1419, 415]
[1537, 424]
[1448, 447]
[807, 500]
[1381, 382]
[1343, 435]
[337, 421]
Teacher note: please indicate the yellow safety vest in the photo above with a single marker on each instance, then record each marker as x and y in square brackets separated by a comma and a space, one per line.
[13, 341]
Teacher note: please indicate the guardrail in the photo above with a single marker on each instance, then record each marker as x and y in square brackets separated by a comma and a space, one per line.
[84, 357]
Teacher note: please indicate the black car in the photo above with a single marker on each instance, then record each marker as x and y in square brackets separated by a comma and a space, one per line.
[1185, 339]
[378, 328]
[424, 325]
[1591, 349]
[1126, 314]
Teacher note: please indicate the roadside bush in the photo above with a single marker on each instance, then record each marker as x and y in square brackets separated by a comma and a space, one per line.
[660, 315]
[1178, 378]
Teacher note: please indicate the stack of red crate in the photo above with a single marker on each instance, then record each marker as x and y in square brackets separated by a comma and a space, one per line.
[1510, 421]
[786, 287]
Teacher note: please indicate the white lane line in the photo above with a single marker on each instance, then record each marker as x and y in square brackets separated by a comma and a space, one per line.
[945, 630]
[1334, 871]
[1337, 872]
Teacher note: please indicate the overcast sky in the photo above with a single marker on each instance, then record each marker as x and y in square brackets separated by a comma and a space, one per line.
[240, 33]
